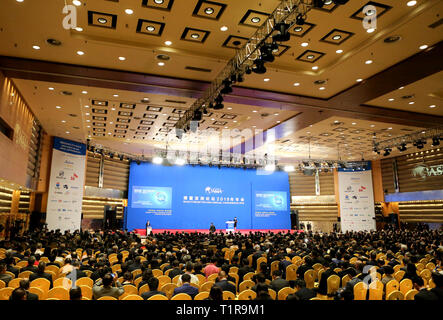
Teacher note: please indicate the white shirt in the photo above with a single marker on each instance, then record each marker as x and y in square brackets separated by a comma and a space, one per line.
[194, 280]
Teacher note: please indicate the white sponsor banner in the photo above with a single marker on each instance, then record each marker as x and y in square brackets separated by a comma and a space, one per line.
[66, 185]
[356, 200]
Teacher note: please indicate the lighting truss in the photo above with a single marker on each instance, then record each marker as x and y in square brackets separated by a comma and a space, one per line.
[287, 12]
[410, 138]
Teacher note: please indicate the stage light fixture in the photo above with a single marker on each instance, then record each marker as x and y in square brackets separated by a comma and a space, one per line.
[274, 47]
[266, 53]
[240, 78]
[435, 141]
[282, 32]
[233, 78]
[340, 1]
[121, 157]
[402, 147]
[387, 152]
[248, 70]
[227, 87]
[300, 19]
[259, 66]
[197, 115]
[420, 144]
[218, 103]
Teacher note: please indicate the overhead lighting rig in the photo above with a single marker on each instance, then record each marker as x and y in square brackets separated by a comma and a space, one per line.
[258, 50]
[417, 139]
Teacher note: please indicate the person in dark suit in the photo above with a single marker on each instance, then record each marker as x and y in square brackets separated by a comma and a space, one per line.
[175, 269]
[24, 284]
[153, 289]
[41, 273]
[277, 282]
[302, 292]
[30, 266]
[235, 223]
[9, 261]
[75, 294]
[244, 269]
[3, 275]
[423, 293]
[224, 283]
[282, 265]
[259, 279]
[136, 264]
[186, 287]
[262, 292]
[323, 284]
[212, 228]
[304, 267]
[437, 277]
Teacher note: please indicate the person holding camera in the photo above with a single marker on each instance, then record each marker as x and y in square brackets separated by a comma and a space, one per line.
[108, 286]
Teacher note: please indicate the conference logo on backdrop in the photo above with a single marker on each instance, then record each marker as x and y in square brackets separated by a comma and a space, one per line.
[423, 171]
[210, 190]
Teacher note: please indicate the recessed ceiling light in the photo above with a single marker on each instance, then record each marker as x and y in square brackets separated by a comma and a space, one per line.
[150, 28]
[212, 119]
[80, 53]
[432, 106]
[63, 121]
[354, 123]
[229, 108]
[254, 110]
[77, 3]
[275, 114]
[321, 88]
[168, 43]
[336, 37]
[411, 3]
[86, 106]
[88, 126]
[115, 95]
[235, 121]
[58, 107]
[423, 47]
[368, 61]
[339, 51]
[311, 56]
[298, 29]
[67, 132]
[88, 120]
[278, 121]
[161, 64]
[157, 2]
[226, 127]
[255, 19]
[79, 29]
[304, 44]
[370, 30]
[391, 99]
[129, 11]
[266, 79]
[314, 67]
[51, 88]
[296, 84]
[390, 128]
[121, 58]
[401, 88]
[113, 109]
[209, 10]
[195, 36]
[36, 47]
[19, 0]
[224, 28]
[412, 102]
[87, 113]
[359, 80]
[102, 20]
[85, 92]
[254, 126]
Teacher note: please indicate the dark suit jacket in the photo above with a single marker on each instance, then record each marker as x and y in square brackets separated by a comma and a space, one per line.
[301, 271]
[242, 271]
[438, 292]
[279, 284]
[29, 268]
[305, 294]
[13, 269]
[283, 264]
[186, 288]
[323, 284]
[31, 296]
[37, 275]
[146, 295]
[226, 286]
[175, 272]
[425, 295]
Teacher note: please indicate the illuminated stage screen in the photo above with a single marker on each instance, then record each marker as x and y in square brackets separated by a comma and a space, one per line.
[191, 197]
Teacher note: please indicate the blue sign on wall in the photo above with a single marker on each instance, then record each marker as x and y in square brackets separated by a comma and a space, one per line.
[187, 197]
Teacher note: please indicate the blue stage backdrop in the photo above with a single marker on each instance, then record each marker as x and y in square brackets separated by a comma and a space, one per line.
[187, 197]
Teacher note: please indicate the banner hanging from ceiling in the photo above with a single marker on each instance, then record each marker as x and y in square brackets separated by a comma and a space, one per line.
[66, 185]
[357, 212]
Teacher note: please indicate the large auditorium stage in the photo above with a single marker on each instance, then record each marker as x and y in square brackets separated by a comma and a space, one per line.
[142, 232]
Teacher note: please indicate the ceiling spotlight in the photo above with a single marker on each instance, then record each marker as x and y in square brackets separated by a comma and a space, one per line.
[168, 43]
[259, 66]
[209, 10]
[157, 160]
[36, 47]
[318, 3]
[296, 84]
[224, 28]
[339, 51]
[419, 144]
[368, 61]
[411, 3]
[79, 29]
[423, 47]
[266, 53]
[161, 64]
[336, 37]
[298, 29]
[121, 58]
[359, 80]
[402, 147]
[304, 44]
[435, 141]
[195, 36]
[314, 67]
[77, 3]
[227, 87]
[80, 53]
[255, 19]
[248, 70]
[282, 32]
[387, 152]
[370, 30]
[129, 11]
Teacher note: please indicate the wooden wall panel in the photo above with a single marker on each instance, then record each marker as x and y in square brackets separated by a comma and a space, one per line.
[387, 171]
[301, 185]
[421, 211]
[116, 174]
[327, 184]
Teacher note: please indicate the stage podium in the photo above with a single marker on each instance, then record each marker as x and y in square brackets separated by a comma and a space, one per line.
[230, 226]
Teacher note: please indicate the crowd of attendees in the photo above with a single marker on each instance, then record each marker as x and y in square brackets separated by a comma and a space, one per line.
[191, 254]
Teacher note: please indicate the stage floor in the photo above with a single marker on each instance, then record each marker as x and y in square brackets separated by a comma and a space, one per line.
[142, 232]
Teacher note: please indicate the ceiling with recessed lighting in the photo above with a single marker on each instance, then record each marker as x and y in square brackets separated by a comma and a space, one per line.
[328, 55]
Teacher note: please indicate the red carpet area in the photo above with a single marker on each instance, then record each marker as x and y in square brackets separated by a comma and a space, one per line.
[142, 232]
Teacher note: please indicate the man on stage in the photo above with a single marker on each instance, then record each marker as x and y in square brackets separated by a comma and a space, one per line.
[212, 228]
[235, 224]
[148, 228]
